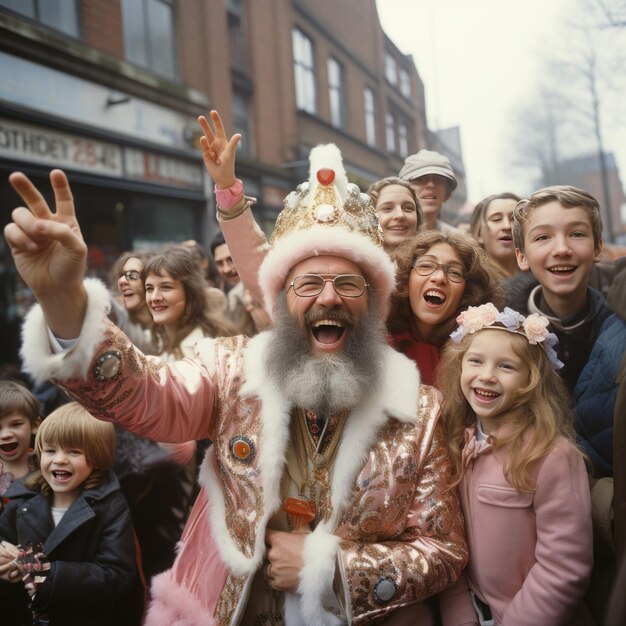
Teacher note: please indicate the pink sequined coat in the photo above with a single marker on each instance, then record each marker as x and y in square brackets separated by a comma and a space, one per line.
[392, 520]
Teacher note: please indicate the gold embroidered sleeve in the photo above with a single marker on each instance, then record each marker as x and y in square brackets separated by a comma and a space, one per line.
[425, 558]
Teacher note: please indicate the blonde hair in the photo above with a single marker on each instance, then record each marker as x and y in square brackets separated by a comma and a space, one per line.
[544, 411]
[569, 197]
[71, 426]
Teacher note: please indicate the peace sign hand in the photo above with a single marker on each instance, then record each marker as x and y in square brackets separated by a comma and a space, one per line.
[50, 252]
[218, 151]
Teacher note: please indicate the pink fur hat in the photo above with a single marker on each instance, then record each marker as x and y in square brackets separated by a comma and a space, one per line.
[327, 216]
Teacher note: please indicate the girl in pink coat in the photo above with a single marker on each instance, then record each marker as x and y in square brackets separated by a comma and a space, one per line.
[523, 483]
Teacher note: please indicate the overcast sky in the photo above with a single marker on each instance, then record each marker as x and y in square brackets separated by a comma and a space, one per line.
[477, 58]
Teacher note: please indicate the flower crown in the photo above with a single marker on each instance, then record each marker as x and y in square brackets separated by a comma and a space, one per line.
[534, 327]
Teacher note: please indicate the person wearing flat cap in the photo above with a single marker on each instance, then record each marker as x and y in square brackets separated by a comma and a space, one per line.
[431, 176]
[325, 496]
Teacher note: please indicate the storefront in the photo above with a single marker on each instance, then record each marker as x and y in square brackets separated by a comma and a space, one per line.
[137, 180]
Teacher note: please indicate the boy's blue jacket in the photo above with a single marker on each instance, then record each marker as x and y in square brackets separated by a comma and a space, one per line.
[93, 577]
[595, 395]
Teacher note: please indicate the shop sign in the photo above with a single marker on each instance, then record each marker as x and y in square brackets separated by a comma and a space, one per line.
[23, 142]
[161, 169]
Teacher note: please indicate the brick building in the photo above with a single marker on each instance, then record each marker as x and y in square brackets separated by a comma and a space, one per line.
[109, 90]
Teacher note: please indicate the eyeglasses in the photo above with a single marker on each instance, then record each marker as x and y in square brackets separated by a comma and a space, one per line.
[345, 285]
[454, 273]
[131, 275]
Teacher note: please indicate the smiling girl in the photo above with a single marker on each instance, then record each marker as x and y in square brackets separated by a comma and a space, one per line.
[177, 298]
[68, 553]
[398, 210]
[523, 483]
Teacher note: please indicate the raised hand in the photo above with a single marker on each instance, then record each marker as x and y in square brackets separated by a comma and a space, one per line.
[218, 151]
[50, 252]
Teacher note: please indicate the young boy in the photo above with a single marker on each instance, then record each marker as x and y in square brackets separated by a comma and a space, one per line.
[67, 554]
[557, 234]
[19, 420]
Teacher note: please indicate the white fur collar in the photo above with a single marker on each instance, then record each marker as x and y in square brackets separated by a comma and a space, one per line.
[396, 396]
[42, 362]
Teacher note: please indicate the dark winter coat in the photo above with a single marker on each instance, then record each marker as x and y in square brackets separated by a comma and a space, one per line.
[595, 395]
[93, 577]
[598, 385]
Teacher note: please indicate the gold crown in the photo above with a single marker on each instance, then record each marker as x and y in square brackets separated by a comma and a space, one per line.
[318, 202]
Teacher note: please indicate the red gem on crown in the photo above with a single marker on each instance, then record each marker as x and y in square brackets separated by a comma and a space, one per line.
[325, 176]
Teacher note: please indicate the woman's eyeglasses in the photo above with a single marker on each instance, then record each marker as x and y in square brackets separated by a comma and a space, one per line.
[454, 273]
[131, 275]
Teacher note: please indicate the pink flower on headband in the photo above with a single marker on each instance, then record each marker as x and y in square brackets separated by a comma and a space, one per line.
[477, 317]
[536, 328]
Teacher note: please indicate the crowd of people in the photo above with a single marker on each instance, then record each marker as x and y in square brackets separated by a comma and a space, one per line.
[371, 417]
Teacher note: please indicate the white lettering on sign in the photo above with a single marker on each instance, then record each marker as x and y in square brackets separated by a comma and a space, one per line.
[24, 142]
[166, 170]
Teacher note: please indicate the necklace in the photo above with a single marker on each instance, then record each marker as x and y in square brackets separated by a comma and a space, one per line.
[315, 455]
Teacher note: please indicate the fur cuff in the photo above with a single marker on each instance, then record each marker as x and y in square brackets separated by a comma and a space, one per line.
[317, 598]
[174, 604]
[38, 358]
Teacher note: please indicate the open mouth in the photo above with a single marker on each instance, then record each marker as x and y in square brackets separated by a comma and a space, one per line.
[562, 270]
[327, 331]
[434, 298]
[9, 447]
[485, 394]
[61, 475]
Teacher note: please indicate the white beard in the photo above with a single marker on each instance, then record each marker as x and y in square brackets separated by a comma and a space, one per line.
[327, 384]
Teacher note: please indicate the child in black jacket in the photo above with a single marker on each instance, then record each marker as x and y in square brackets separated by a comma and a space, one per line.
[68, 555]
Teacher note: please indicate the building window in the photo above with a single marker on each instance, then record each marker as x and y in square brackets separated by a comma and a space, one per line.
[391, 70]
[242, 120]
[405, 83]
[236, 34]
[370, 116]
[390, 127]
[149, 34]
[304, 69]
[403, 140]
[61, 15]
[336, 93]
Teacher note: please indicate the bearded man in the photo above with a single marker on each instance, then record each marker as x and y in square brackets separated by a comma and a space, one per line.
[325, 497]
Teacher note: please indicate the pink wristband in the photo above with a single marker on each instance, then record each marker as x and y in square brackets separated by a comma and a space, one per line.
[229, 197]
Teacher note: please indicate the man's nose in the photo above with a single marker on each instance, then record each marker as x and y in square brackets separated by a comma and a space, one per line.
[328, 296]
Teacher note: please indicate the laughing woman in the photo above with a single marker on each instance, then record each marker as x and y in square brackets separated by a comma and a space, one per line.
[438, 276]
[176, 297]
